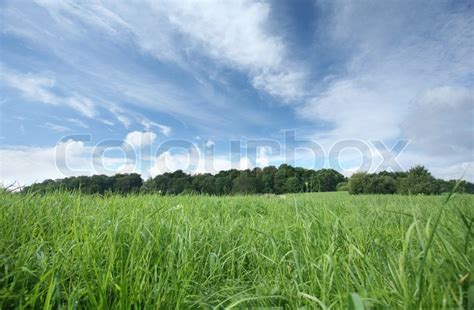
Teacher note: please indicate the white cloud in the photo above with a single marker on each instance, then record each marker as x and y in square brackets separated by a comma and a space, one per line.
[33, 87]
[222, 35]
[125, 121]
[25, 165]
[83, 105]
[402, 60]
[166, 130]
[56, 127]
[209, 143]
[230, 31]
[236, 33]
[78, 123]
[286, 85]
[107, 122]
[118, 112]
[440, 123]
[168, 162]
[192, 161]
[446, 167]
[21, 165]
[233, 33]
[38, 88]
[462, 170]
[139, 139]
[245, 163]
[358, 108]
[397, 82]
[262, 159]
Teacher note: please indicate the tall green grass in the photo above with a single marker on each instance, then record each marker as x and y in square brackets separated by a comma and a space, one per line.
[326, 250]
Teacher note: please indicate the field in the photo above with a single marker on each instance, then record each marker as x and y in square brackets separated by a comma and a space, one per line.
[303, 250]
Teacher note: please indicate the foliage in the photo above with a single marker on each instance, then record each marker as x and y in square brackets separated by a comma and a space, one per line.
[357, 183]
[342, 187]
[269, 180]
[418, 180]
[326, 180]
[96, 184]
[244, 185]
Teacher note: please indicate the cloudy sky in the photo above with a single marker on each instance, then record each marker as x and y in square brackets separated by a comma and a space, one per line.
[100, 86]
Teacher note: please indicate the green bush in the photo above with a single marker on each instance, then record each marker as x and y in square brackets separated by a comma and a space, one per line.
[417, 180]
[342, 187]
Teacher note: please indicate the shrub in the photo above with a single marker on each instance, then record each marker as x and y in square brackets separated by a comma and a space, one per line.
[358, 183]
[342, 187]
[418, 181]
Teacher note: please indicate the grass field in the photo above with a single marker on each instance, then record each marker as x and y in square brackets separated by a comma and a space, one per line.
[304, 250]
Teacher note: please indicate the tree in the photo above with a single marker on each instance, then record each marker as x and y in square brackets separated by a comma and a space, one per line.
[325, 180]
[172, 183]
[358, 183]
[223, 185]
[294, 185]
[265, 178]
[244, 185]
[281, 175]
[197, 182]
[381, 184]
[208, 185]
[127, 183]
[418, 181]
[161, 184]
[284, 179]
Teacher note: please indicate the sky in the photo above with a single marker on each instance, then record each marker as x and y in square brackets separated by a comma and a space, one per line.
[152, 86]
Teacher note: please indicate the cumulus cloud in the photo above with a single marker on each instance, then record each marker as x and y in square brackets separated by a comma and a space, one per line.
[139, 139]
[358, 108]
[22, 165]
[440, 122]
[25, 165]
[398, 83]
[168, 162]
[262, 159]
[193, 161]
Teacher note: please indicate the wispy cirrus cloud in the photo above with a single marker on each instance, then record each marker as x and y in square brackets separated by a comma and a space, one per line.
[40, 88]
[56, 127]
[235, 34]
[148, 124]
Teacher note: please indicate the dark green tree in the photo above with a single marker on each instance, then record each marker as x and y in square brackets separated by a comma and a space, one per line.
[244, 185]
[418, 181]
[266, 178]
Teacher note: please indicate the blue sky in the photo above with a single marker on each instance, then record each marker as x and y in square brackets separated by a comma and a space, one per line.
[79, 74]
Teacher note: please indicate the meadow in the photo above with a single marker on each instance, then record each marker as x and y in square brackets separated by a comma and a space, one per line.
[316, 250]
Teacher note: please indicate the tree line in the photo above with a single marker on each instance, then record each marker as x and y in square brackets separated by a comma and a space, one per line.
[417, 180]
[268, 180]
